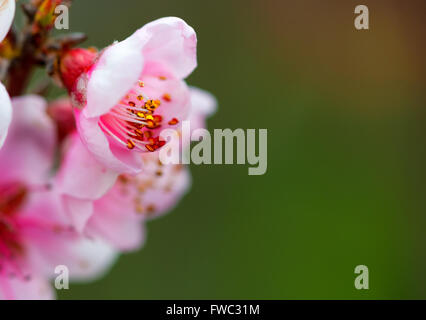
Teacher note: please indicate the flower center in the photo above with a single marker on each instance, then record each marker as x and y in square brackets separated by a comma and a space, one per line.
[146, 188]
[9, 241]
[12, 197]
[134, 121]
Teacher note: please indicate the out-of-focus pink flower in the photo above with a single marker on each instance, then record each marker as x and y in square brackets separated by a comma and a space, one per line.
[103, 207]
[34, 234]
[203, 105]
[61, 112]
[117, 216]
[134, 89]
[81, 180]
[7, 12]
[134, 199]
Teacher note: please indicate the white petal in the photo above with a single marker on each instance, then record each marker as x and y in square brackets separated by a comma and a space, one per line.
[5, 113]
[171, 43]
[7, 11]
[93, 259]
[113, 76]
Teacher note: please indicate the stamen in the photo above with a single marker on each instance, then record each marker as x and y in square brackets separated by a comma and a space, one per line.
[12, 197]
[130, 144]
[167, 97]
[130, 122]
[111, 134]
[128, 118]
[173, 121]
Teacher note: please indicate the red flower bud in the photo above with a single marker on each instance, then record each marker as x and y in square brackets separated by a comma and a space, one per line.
[73, 63]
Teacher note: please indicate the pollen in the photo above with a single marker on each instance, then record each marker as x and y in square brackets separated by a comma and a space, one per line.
[151, 124]
[167, 97]
[173, 121]
[150, 148]
[154, 144]
[151, 105]
[150, 209]
[139, 209]
[138, 205]
[162, 78]
[132, 122]
[130, 144]
[123, 179]
[141, 114]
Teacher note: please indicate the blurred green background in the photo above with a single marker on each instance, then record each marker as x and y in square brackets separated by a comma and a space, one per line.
[345, 185]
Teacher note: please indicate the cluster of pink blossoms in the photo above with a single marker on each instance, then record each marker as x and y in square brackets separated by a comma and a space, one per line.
[79, 176]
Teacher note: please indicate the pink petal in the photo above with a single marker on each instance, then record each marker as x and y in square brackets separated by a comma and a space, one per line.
[5, 113]
[97, 143]
[49, 242]
[7, 11]
[170, 43]
[35, 288]
[113, 75]
[27, 154]
[118, 215]
[81, 175]
[203, 105]
[167, 42]
[115, 221]
[168, 189]
[180, 100]
[79, 211]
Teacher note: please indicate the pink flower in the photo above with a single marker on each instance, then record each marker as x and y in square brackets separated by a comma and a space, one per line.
[61, 112]
[134, 89]
[118, 216]
[102, 206]
[7, 12]
[34, 234]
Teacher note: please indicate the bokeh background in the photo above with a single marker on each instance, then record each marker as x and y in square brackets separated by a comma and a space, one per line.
[345, 113]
